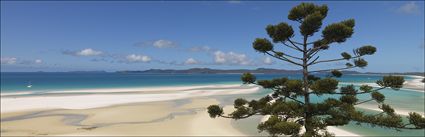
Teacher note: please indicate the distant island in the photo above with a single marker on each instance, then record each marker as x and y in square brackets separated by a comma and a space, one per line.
[240, 71]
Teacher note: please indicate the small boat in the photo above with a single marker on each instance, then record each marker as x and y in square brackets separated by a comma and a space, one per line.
[29, 85]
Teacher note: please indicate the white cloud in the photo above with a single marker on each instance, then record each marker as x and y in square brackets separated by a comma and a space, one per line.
[88, 52]
[231, 58]
[200, 49]
[164, 44]
[38, 61]
[234, 1]
[83, 52]
[268, 61]
[8, 60]
[13, 60]
[190, 61]
[138, 58]
[409, 8]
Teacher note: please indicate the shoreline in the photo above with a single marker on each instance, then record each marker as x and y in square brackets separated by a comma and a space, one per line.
[415, 84]
[11, 104]
[131, 119]
[332, 129]
[376, 108]
[125, 89]
[74, 102]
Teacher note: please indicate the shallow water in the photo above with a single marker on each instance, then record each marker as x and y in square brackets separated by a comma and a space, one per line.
[53, 81]
[403, 99]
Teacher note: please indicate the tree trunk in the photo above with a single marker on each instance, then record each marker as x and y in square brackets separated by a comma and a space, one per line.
[307, 116]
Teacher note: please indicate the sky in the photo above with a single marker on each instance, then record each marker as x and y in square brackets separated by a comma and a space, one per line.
[136, 35]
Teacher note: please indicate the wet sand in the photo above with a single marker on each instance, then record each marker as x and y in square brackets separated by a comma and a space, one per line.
[148, 119]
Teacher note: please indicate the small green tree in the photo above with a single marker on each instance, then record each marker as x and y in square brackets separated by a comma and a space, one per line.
[290, 108]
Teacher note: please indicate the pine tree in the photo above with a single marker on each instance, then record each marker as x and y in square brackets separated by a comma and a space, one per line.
[290, 108]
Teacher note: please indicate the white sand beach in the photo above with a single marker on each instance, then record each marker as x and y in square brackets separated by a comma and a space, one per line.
[75, 101]
[335, 130]
[131, 119]
[119, 112]
[376, 108]
[415, 84]
[133, 112]
[135, 89]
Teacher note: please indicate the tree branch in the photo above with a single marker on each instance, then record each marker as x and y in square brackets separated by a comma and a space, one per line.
[295, 100]
[383, 125]
[313, 54]
[314, 49]
[313, 61]
[332, 60]
[288, 55]
[312, 42]
[293, 43]
[332, 69]
[292, 47]
[356, 92]
[363, 102]
[284, 59]
[246, 116]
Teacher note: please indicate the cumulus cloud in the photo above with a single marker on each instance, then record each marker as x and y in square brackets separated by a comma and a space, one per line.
[231, 58]
[409, 8]
[200, 49]
[190, 61]
[13, 60]
[138, 58]
[8, 60]
[38, 61]
[83, 52]
[162, 43]
[234, 1]
[268, 61]
[88, 52]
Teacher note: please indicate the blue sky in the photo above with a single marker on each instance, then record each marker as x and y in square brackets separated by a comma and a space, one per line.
[100, 35]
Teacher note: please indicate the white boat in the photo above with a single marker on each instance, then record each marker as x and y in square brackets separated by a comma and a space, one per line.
[29, 85]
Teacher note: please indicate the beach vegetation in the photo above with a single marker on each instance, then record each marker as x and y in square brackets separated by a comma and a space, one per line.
[289, 108]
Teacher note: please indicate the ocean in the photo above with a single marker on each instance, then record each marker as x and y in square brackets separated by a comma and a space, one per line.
[16, 82]
[53, 81]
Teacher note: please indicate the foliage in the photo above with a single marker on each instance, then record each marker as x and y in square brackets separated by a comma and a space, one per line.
[248, 78]
[280, 32]
[395, 82]
[336, 73]
[214, 111]
[345, 55]
[262, 45]
[327, 85]
[289, 107]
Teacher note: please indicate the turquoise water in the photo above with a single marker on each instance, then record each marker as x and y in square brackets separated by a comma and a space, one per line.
[17, 82]
[406, 100]
[43, 82]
